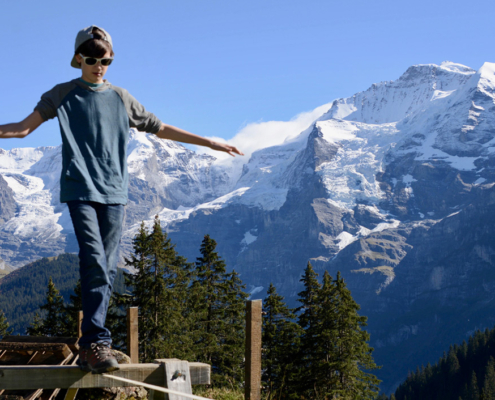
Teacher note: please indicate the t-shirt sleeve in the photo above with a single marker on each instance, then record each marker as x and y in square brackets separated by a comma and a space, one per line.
[50, 101]
[46, 106]
[139, 118]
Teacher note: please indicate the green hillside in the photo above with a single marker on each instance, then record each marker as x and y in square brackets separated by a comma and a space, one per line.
[23, 290]
[465, 372]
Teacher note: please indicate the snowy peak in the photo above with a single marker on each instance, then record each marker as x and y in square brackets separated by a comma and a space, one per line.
[391, 101]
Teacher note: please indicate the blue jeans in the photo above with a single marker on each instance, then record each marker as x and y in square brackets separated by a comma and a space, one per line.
[98, 229]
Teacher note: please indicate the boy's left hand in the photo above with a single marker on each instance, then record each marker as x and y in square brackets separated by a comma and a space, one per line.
[232, 150]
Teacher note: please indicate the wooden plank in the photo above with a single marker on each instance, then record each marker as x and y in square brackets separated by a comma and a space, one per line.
[133, 334]
[59, 348]
[252, 384]
[34, 395]
[31, 359]
[72, 393]
[69, 341]
[52, 377]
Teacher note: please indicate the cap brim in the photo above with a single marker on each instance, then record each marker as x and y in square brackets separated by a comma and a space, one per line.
[74, 63]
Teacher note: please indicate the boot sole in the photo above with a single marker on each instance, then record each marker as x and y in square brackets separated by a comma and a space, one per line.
[104, 369]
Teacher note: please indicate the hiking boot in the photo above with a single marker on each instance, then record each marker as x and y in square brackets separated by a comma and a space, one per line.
[99, 359]
[82, 361]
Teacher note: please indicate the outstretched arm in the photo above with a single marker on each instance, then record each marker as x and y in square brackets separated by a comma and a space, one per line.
[23, 128]
[172, 133]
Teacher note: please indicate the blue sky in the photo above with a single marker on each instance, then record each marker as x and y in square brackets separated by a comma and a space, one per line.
[214, 66]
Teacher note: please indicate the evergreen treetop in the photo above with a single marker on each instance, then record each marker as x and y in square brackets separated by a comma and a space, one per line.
[280, 340]
[4, 326]
[51, 321]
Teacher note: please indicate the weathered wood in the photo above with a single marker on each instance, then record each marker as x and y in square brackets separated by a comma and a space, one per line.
[72, 393]
[252, 386]
[177, 378]
[34, 353]
[69, 341]
[34, 395]
[80, 317]
[52, 377]
[133, 334]
[200, 372]
[61, 348]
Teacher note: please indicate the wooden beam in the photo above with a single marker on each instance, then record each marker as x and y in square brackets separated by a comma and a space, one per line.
[69, 341]
[64, 377]
[252, 384]
[61, 348]
[133, 334]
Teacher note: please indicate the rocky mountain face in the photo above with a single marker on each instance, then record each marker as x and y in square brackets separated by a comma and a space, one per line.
[394, 187]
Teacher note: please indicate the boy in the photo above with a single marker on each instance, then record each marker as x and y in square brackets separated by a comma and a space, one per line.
[95, 118]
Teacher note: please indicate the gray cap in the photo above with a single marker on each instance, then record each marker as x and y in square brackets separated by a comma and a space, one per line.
[83, 36]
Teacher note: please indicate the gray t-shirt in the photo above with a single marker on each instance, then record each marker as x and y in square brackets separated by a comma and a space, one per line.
[94, 123]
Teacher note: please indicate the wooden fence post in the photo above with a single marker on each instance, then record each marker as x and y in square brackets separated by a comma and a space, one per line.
[133, 334]
[79, 323]
[253, 350]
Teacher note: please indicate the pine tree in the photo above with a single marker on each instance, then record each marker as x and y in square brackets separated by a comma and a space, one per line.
[4, 325]
[158, 289]
[280, 339]
[488, 392]
[344, 343]
[52, 322]
[451, 375]
[70, 321]
[217, 299]
[308, 320]
[473, 392]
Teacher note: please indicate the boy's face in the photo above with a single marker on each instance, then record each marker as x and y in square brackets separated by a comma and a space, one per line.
[93, 73]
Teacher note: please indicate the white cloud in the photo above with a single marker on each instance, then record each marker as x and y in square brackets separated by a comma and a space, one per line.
[259, 135]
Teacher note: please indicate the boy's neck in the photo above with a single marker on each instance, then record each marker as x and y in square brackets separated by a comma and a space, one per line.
[91, 84]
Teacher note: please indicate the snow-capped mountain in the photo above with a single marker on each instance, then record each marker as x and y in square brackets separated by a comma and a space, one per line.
[393, 186]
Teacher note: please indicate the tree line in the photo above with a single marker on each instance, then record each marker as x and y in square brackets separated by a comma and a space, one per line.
[465, 372]
[196, 311]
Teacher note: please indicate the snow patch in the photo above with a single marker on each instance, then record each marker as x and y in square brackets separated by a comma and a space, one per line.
[249, 237]
[345, 239]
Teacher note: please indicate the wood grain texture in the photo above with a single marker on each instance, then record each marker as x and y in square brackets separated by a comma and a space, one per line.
[52, 377]
[252, 388]
[69, 341]
[133, 334]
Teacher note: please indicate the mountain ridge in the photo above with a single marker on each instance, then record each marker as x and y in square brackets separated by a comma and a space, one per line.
[393, 186]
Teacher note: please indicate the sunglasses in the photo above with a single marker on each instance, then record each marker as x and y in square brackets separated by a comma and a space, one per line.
[92, 60]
